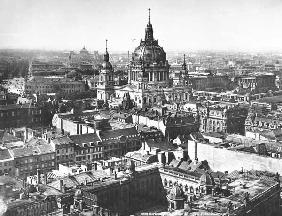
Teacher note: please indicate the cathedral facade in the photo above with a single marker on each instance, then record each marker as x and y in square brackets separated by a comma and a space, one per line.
[149, 83]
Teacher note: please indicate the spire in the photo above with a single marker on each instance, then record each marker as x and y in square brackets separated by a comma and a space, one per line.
[106, 45]
[149, 29]
[184, 64]
[106, 55]
[149, 15]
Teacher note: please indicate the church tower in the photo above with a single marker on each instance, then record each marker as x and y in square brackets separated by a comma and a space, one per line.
[148, 69]
[105, 86]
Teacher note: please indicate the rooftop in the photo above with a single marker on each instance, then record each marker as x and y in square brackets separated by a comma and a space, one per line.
[5, 154]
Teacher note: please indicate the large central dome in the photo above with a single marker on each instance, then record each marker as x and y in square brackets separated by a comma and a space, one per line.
[149, 52]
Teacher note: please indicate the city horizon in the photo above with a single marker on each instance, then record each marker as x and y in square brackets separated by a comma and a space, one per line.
[196, 26]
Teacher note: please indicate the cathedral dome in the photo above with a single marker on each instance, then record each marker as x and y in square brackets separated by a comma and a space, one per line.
[149, 53]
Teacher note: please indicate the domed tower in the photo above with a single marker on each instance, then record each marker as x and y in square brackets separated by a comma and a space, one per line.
[105, 86]
[148, 67]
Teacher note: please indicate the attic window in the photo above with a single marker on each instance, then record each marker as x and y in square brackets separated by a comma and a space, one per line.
[85, 145]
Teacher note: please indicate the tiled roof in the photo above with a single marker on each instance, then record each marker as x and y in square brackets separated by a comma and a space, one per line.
[45, 149]
[6, 137]
[25, 151]
[117, 133]
[162, 145]
[141, 157]
[30, 150]
[5, 154]
[64, 140]
[85, 138]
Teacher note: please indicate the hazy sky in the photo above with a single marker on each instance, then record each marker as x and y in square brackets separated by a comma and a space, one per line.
[178, 24]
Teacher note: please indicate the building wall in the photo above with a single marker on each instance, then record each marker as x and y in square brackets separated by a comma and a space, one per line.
[28, 165]
[227, 160]
[20, 116]
[7, 166]
[45, 87]
[127, 196]
[150, 123]
[73, 128]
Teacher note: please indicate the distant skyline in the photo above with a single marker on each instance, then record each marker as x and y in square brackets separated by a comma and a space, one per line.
[182, 25]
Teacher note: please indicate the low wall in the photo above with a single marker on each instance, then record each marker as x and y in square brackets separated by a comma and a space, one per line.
[149, 122]
[227, 160]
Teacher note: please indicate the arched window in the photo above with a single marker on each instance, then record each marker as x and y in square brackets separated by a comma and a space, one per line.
[165, 182]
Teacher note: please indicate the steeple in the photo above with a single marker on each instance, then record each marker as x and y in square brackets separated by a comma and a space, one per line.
[106, 55]
[184, 66]
[149, 29]
[149, 15]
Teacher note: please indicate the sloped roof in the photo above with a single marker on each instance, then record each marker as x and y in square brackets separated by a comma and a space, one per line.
[162, 145]
[5, 154]
[84, 138]
[6, 137]
[117, 133]
[64, 140]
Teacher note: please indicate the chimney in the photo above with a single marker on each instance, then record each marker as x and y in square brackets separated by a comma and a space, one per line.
[62, 187]
[115, 173]
[85, 182]
[45, 178]
[196, 151]
[147, 152]
[38, 176]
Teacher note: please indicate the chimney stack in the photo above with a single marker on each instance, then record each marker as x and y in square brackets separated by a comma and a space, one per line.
[38, 176]
[196, 151]
[45, 178]
[115, 173]
[62, 187]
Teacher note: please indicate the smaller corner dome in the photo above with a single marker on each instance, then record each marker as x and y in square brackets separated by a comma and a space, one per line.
[176, 193]
[78, 193]
[206, 180]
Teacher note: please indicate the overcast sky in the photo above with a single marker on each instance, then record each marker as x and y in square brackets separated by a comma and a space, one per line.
[179, 25]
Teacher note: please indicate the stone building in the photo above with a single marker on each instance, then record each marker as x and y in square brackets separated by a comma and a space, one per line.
[257, 82]
[222, 118]
[64, 148]
[36, 154]
[15, 116]
[53, 85]
[148, 75]
[6, 162]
